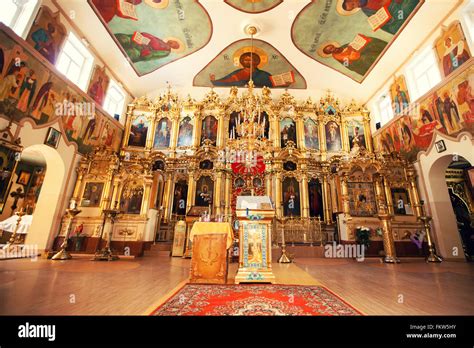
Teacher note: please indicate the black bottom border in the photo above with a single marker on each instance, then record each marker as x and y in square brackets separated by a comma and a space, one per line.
[138, 331]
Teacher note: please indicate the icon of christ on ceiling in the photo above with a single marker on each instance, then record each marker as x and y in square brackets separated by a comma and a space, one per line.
[242, 60]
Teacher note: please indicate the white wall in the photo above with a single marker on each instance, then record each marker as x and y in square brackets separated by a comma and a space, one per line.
[457, 15]
[97, 60]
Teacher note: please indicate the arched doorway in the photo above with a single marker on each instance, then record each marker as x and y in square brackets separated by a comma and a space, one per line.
[44, 224]
[460, 183]
[432, 168]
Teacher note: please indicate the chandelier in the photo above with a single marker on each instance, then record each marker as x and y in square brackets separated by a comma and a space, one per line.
[251, 124]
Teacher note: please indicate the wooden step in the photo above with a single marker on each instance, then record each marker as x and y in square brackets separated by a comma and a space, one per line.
[161, 246]
[157, 253]
[299, 251]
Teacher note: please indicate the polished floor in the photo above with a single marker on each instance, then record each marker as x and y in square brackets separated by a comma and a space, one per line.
[136, 287]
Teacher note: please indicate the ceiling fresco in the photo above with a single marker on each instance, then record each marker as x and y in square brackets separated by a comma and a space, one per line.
[308, 44]
[153, 33]
[254, 6]
[231, 67]
[350, 36]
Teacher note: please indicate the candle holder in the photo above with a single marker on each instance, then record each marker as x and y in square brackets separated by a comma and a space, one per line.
[63, 254]
[432, 256]
[284, 258]
[106, 253]
[9, 246]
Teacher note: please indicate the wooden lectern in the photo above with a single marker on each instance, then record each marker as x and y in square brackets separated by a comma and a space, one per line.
[210, 241]
[255, 215]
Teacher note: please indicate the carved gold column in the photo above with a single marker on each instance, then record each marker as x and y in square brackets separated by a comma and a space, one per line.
[220, 131]
[388, 196]
[379, 192]
[175, 132]
[345, 195]
[167, 195]
[344, 136]
[115, 196]
[322, 142]
[326, 195]
[268, 185]
[411, 175]
[275, 127]
[197, 130]
[217, 193]
[151, 132]
[278, 195]
[387, 235]
[300, 132]
[81, 171]
[148, 181]
[128, 124]
[108, 189]
[304, 195]
[191, 189]
[367, 131]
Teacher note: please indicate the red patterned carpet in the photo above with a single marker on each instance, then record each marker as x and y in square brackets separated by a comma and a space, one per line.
[254, 299]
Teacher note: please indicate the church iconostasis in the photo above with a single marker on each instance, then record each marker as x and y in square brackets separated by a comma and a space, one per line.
[177, 154]
[196, 133]
[324, 131]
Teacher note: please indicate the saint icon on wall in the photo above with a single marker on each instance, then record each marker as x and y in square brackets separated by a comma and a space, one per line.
[92, 194]
[291, 197]
[311, 137]
[185, 133]
[204, 191]
[138, 131]
[209, 129]
[333, 137]
[315, 198]
[162, 134]
[452, 49]
[356, 135]
[399, 94]
[287, 131]
[180, 197]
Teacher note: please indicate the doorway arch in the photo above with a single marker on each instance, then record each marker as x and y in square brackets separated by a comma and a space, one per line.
[43, 226]
[432, 166]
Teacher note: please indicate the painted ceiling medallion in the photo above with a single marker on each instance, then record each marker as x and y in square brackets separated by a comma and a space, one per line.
[153, 33]
[254, 6]
[350, 36]
[231, 67]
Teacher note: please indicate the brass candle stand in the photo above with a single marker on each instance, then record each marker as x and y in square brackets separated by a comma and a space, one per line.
[106, 253]
[284, 257]
[9, 246]
[432, 256]
[63, 254]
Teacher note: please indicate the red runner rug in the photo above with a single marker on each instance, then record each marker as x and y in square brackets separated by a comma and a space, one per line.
[254, 299]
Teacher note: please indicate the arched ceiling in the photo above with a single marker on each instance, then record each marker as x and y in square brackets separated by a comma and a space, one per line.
[292, 31]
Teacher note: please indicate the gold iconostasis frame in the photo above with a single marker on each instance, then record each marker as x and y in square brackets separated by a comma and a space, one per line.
[158, 170]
